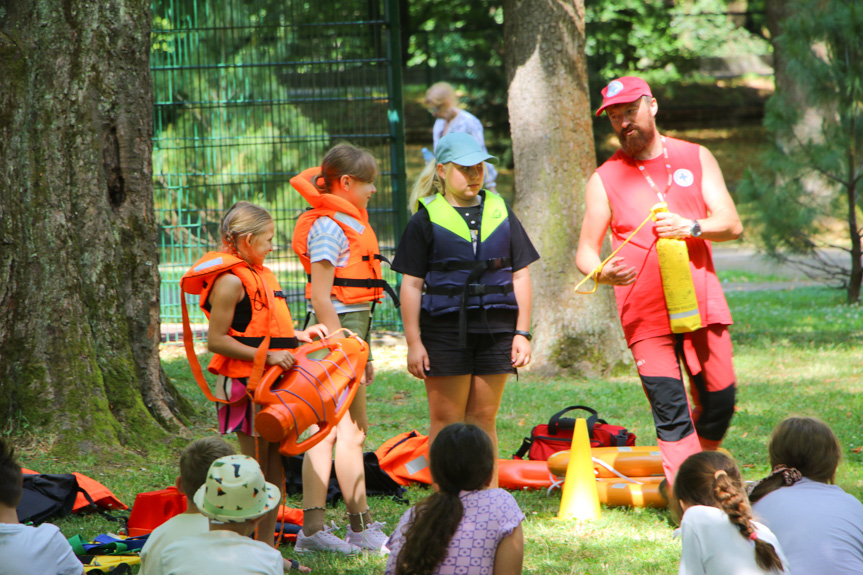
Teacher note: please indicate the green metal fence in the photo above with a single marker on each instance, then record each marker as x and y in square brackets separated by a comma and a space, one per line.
[249, 93]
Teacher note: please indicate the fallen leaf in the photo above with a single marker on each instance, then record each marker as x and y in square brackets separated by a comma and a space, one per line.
[749, 465]
[521, 422]
[857, 449]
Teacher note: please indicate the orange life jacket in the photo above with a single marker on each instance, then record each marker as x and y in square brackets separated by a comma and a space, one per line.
[360, 280]
[271, 325]
[405, 458]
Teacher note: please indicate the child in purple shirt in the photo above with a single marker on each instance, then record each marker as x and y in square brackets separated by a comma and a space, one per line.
[463, 527]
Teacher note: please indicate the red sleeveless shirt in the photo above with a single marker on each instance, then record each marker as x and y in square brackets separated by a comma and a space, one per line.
[642, 305]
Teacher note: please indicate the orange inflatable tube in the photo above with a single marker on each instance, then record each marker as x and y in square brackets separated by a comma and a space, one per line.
[642, 461]
[617, 492]
[313, 392]
[522, 474]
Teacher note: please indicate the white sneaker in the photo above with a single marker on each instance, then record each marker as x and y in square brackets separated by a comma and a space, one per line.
[325, 540]
[372, 538]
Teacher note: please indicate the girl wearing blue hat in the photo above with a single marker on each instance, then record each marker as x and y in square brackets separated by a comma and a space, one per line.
[465, 294]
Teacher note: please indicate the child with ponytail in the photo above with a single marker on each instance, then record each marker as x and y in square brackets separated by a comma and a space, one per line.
[816, 521]
[339, 252]
[466, 293]
[244, 304]
[719, 535]
[463, 527]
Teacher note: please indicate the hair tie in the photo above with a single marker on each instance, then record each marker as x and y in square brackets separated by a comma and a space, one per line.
[753, 536]
[320, 183]
[719, 472]
[790, 475]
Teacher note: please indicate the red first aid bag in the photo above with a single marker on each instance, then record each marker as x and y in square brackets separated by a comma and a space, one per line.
[555, 436]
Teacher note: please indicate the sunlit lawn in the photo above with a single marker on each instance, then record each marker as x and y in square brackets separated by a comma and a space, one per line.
[796, 352]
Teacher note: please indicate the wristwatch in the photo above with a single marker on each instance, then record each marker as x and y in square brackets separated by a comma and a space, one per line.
[526, 334]
[695, 229]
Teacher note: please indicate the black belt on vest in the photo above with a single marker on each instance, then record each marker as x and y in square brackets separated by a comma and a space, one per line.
[275, 342]
[366, 283]
[470, 287]
[489, 264]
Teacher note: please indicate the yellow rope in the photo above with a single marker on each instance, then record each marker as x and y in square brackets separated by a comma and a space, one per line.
[595, 273]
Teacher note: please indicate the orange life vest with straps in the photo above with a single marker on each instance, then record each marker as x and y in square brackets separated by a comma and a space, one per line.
[360, 279]
[270, 326]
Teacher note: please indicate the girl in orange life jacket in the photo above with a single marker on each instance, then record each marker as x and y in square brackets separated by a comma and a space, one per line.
[337, 245]
[464, 256]
[247, 233]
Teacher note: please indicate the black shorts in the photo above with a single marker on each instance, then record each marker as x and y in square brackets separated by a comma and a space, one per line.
[485, 353]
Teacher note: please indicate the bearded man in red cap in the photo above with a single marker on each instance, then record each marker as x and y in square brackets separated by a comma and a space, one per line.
[647, 169]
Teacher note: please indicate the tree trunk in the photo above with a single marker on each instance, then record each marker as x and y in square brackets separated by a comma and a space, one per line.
[552, 142]
[79, 276]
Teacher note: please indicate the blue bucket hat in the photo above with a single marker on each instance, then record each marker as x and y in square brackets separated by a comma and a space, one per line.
[461, 149]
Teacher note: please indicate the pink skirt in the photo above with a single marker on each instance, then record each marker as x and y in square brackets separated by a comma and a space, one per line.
[237, 416]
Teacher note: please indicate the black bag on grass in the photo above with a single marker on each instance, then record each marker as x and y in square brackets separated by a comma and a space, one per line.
[47, 496]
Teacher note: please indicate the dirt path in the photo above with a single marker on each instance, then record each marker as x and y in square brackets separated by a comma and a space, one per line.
[731, 257]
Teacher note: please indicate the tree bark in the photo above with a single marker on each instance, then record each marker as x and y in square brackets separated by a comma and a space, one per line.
[79, 276]
[552, 141]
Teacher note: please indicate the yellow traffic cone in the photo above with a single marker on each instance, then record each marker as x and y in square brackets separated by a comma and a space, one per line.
[580, 499]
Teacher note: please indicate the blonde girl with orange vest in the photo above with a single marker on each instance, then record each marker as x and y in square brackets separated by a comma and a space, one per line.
[237, 305]
[339, 252]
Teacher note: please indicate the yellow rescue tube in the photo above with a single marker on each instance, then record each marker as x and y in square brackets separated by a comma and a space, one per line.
[617, 492]
[677, 285]
[640, 461]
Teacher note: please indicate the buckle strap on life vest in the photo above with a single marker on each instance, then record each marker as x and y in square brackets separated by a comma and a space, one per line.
[378, 257]
[472, 289]
[366, 283]
[490, 264]
[478, 269]
[275, 342]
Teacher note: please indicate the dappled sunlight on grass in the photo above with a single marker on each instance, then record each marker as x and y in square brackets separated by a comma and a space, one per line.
[797, 352]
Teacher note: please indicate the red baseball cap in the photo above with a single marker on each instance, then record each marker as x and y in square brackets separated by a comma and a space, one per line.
[623, 90]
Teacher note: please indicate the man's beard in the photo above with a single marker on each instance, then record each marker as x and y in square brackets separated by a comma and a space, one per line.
[636, 140]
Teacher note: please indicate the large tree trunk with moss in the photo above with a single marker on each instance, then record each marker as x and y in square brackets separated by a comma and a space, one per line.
[552, 142]
[79, 279]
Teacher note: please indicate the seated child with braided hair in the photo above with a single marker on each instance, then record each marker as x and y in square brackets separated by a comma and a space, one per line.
[719, 535]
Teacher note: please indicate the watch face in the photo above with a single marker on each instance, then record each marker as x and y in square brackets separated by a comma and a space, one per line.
[695, 230]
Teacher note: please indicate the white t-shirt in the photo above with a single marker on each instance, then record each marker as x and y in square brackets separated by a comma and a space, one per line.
[328, 242]
[221, 553]
[171, 531]
[819, 525]
[25, 550]
[712, 545]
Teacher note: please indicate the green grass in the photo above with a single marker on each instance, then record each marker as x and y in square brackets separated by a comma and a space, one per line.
[748, 277]
[796, 352]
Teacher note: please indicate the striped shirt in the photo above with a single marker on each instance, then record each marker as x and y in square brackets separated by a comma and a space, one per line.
[328, 242]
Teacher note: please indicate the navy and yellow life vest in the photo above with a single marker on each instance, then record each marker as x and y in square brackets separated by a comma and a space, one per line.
[459, 279]
[256, 281]
[360, 279]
